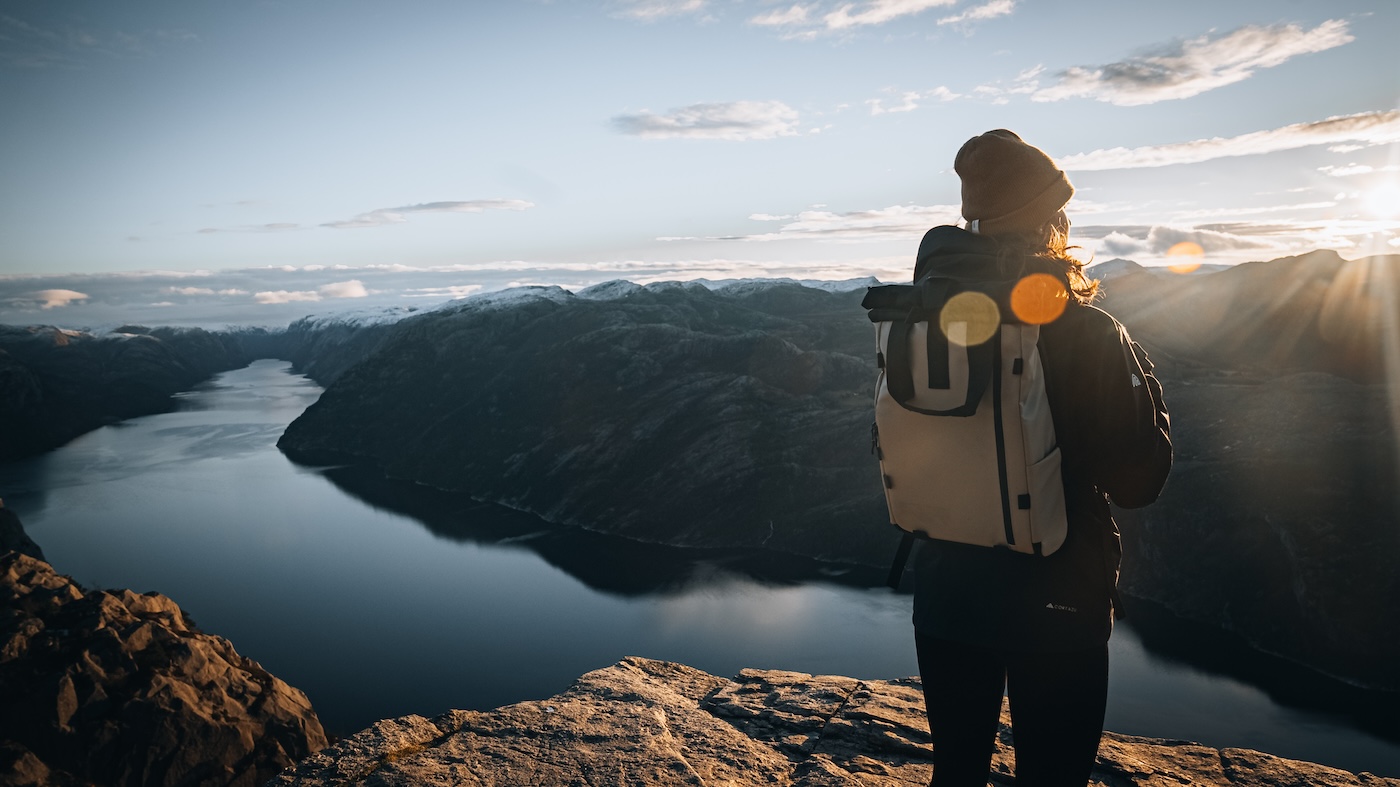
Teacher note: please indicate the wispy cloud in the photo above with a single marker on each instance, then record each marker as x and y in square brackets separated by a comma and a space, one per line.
[651, 10]
[353, 288]
[794, 15]
[1187, 68]
[898, 221]
[736, 120]
[1352, 170]
[1026, 82]
[278, 226]
[808, 20]
[990, 10]
[1368, 128]
[909, 100]
[196, 291]
[878, 12]
[1160, 239]
[453, 291]
[382, 216]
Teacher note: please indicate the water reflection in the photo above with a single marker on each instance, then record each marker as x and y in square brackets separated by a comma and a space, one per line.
[1208, 650]
[603, 562]
[627, 568]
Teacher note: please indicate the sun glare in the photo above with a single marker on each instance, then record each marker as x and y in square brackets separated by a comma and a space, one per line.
[1383, 200]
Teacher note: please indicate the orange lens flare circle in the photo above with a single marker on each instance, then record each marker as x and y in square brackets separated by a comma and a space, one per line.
[1039, 299]
[969, 318]
[1193, 253]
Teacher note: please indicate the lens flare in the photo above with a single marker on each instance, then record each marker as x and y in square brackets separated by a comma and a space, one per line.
[969, 318]
[1191, 254]
[1038, 299]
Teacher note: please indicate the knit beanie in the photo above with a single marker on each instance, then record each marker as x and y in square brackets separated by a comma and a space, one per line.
[1007, 185]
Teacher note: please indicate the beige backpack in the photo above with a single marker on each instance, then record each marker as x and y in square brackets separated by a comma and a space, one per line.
[963, 429]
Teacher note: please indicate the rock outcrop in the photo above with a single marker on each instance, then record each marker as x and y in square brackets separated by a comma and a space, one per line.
[643, 722]
[118, 688]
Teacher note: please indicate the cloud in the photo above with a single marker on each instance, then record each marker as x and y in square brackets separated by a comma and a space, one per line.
[286, 296]
[1351, 170]
[736, 120]
[990, 10]
[651, 10]
[1120, 245]
[909, 100]
[877, 12]
[383, 216]
[896, 222]
[1160, 239]
[1188, 68]
[353, 288]
[1027, 81]
[794, 15]
[277, 226]
[453, 291]
[1371, 128]
[807, 20]
[52, 299]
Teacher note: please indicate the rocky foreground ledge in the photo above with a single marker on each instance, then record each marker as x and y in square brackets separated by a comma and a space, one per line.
[644, 722]
[113, 687]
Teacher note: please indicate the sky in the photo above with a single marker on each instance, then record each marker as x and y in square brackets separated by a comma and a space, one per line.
[203, 162]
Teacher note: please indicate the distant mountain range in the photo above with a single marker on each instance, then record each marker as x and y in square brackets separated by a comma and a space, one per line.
[56, 384]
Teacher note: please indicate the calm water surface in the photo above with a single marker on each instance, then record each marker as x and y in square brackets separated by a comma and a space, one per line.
[381, 599]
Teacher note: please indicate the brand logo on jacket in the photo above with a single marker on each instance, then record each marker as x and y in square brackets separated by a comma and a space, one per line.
[1136, 382]
[1061, 607]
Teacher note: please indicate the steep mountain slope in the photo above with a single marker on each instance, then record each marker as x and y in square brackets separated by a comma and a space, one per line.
[56, 384]
[672, 414]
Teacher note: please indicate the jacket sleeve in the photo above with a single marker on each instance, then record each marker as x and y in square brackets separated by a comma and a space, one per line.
[1131, 444]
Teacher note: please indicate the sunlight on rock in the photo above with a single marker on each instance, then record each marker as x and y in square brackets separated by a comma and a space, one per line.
[1039, 299]
[1189, 254]
[969, 318]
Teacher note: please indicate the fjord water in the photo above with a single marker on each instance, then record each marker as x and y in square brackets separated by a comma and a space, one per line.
[380, 599]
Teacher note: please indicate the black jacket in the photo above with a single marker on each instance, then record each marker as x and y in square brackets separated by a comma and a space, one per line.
[1114, 436]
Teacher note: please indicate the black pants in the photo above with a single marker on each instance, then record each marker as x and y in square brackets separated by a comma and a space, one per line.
[1057, 708]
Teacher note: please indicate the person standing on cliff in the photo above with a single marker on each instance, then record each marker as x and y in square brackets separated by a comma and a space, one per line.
[989, 620]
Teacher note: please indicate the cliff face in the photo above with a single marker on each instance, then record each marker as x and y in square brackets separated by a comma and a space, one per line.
[56, 384]
[112, 687]
[642, 722]
[1278, 521]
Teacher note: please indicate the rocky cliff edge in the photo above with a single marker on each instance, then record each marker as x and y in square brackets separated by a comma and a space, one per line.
[644, 722]
[119, 688]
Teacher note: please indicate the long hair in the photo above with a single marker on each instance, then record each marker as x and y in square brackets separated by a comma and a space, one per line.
[1049, 246]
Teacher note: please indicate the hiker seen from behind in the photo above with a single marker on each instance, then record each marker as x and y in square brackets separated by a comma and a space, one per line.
[1008, 413]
